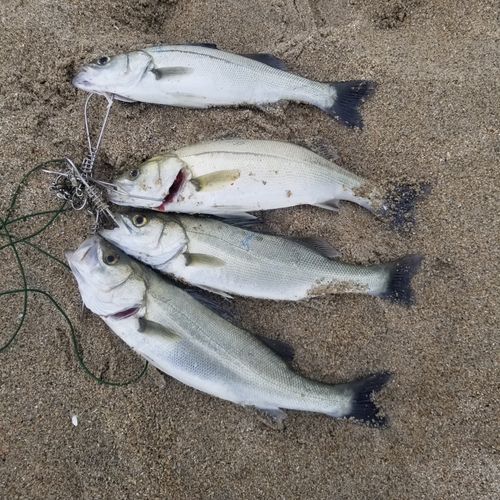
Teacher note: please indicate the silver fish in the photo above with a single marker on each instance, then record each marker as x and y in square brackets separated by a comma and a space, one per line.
[200, 76]
[233, 177]
[186, 340]
[226, 259]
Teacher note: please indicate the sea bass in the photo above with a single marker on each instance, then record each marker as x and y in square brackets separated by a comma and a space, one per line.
[201, 76]
[233, 177]
[191, 343]
[226, 259]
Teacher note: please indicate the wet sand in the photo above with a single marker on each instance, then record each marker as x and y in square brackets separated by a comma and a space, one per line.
[434, 118]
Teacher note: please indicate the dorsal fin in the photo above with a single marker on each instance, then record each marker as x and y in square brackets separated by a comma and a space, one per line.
[319, 146]
[206, 45]
[243, 223]
[208, 302]
[282, 349]
[318, 245]
[268, 59]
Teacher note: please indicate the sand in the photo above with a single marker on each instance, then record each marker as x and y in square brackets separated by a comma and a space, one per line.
[433, 118]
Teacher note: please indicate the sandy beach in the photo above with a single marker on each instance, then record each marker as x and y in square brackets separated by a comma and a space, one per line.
[434, 117]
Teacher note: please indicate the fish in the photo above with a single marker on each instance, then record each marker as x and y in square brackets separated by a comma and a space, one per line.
[202, 76]
[229, 178]
[191, 343]
[226, 259]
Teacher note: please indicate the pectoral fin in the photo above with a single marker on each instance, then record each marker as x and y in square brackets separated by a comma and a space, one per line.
[151, 328]
[202, 259]
[172, 72]
[215, 180]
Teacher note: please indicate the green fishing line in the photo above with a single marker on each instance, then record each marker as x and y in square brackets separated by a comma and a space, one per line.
[12, 242]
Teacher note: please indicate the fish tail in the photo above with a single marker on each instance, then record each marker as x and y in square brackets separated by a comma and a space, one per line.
[401, 272]
[348, 97]
[363, 408]
[398, 208]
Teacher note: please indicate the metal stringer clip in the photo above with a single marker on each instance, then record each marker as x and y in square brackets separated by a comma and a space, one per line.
[77, 185]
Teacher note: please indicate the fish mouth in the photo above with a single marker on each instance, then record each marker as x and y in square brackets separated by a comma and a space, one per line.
[120, 194]
[80, 82]
[84, 258]
[85, 254]
[173, 191]
[124, 228]
[126, 313]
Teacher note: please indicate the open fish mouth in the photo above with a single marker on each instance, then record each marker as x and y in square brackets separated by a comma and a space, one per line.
[173, 191]
[126, 313]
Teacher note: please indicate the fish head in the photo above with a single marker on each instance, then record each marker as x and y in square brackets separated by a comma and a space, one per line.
[152, 238]
[110, 282]
[152, 184]
[113, 74]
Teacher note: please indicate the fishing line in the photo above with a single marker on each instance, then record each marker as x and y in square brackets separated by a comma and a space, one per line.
[12, 242]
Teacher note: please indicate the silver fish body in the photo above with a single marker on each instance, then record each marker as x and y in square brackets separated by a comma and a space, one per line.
[226, 259]
[232, 177]
[196, 346]
[200, 76]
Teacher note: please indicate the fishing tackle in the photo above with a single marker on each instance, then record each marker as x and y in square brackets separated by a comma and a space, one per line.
[77, 184]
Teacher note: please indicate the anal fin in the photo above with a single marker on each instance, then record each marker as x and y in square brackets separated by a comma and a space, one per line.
[271, 417]
[329, 205]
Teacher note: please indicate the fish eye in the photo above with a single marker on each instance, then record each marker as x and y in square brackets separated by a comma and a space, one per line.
[103, 61]
[133, 174]
[111, 258]
[139, 220]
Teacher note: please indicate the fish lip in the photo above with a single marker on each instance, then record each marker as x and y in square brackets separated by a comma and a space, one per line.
[85, 254]
[113, 235]
[80, 82]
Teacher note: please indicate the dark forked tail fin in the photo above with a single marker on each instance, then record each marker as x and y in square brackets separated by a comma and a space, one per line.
[350, 95]
[398, 207]
[363, 407]
[399, 285]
